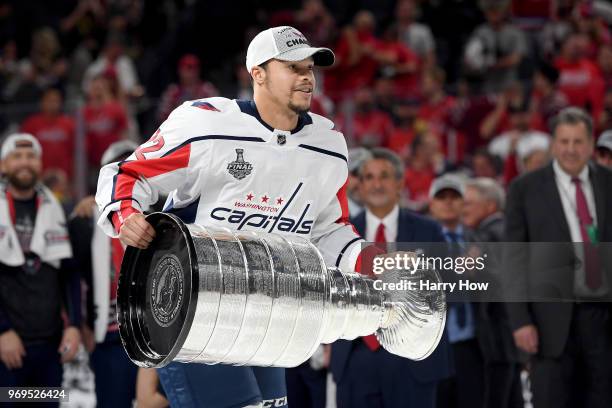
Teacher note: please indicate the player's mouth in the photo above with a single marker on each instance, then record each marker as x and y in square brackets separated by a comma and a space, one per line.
[304, 90]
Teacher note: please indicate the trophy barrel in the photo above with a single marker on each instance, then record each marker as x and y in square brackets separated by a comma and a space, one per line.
[212, 296]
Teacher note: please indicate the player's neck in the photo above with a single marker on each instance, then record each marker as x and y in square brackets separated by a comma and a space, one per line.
[275, 116]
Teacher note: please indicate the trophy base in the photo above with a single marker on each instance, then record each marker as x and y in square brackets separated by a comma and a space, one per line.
[157, 294]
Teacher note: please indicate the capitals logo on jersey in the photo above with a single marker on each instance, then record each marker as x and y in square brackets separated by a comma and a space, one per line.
[266, 215]
[239, 168]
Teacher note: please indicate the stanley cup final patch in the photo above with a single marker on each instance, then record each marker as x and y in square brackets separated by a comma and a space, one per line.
[239, 168]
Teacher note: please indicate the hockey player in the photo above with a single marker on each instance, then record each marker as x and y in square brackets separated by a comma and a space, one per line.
[264, 165]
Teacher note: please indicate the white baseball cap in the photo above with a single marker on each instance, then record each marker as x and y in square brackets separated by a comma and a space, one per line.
[12, 142]
[605, 140]
[531, 143]
[116, 150]
[446, 182]
[286, 44]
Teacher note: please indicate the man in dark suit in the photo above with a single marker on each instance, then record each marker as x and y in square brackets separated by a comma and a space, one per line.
[484, 218]
[567, 201]
[366, 374]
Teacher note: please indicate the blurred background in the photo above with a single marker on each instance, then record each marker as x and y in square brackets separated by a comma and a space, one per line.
[435, 81]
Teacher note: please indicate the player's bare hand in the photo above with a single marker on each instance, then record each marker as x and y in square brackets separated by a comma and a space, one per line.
[11, 349]
[136, 231]
[526, 338]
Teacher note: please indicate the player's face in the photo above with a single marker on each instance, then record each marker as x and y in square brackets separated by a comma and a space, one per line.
[291, 83]
[22, 168]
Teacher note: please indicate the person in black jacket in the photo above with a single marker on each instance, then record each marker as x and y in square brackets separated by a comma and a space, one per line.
[37, 279]
[568, 201]
[483, 216]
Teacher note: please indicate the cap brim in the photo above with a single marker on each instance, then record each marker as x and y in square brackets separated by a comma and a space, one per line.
[440, 189]
[604, 145]
[323, 57]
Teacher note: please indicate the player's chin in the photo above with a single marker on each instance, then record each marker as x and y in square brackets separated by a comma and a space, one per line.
[300, 106]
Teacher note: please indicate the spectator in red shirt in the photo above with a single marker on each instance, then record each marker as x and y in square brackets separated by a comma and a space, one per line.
[604, 63]
[546, 99]
[367, 126]
[436, 110]
[356, 65]
[436, 104]
[399, 62]
[54, 131]
[426, 160]
[105, 120]
[579, 77]
[190, 87]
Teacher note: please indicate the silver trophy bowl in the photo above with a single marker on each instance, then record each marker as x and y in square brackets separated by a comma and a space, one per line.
[202, 295]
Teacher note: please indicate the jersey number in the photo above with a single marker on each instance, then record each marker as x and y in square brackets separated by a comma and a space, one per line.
[158, 142]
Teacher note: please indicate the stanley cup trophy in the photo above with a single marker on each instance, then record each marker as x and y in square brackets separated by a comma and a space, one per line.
[218, 296]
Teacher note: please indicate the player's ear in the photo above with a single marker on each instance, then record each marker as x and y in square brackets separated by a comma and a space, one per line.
[258, 75]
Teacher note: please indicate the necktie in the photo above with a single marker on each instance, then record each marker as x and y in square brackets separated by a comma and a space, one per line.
[591, 259]
[371, 340]
[380, 234]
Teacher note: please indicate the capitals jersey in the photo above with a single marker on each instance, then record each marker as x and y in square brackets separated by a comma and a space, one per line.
[223, 166]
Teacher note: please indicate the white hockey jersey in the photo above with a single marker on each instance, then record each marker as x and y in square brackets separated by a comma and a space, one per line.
[223, 166]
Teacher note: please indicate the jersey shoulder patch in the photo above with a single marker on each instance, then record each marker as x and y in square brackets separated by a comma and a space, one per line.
[205, 106]
[214, 104]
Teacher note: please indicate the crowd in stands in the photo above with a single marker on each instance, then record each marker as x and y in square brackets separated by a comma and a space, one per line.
[401, 80]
